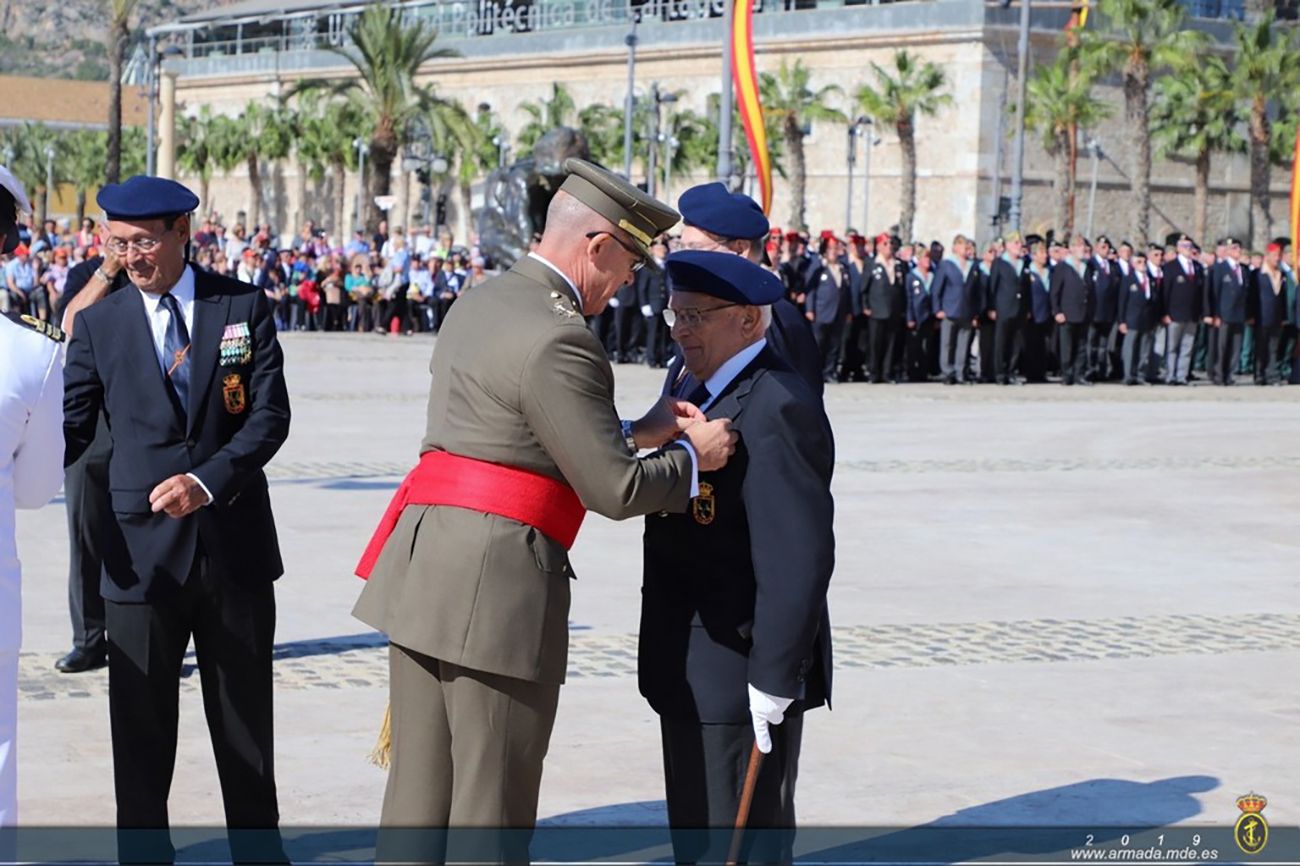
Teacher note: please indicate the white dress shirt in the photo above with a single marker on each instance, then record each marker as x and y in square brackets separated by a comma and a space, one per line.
[159, 318]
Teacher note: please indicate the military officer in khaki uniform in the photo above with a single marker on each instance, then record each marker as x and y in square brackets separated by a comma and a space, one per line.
[469, 575]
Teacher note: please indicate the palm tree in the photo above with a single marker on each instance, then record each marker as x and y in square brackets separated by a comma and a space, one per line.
[1058, 101]
[119, 34]
[387, 55]
[200, 137]
[326, 131]
[911, 88]
[1267, 64]
[1139, 38]
[602, 125]
[478, 153]
[692, 144]
[84, 153]
[226, 149]
[30, 144]
[790, 99]
[741, 157]
[266, 133]
[1195, 116]
[546, 114]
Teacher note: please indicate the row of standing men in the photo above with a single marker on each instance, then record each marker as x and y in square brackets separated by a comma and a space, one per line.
[1036, 307]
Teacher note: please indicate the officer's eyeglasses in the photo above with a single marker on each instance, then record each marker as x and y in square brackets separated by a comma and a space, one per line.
[640, 258]
[691, 317]
[143, 246]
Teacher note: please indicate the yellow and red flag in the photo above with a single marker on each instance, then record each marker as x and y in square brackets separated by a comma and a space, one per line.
[745, 74]
[1295, 198]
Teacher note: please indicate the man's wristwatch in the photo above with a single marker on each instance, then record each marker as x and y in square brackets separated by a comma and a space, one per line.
[628, 437]
[99, 272]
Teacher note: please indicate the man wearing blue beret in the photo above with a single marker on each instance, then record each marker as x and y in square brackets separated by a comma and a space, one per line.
[188, 373]
[735, 640]
[715, 219]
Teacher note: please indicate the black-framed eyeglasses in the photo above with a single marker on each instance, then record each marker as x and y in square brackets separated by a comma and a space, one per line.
[691, 317]
[640, 256]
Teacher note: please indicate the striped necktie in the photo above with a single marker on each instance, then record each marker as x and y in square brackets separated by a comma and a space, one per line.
[176, 352]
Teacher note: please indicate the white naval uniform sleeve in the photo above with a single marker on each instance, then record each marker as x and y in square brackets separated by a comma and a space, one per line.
[38, 460]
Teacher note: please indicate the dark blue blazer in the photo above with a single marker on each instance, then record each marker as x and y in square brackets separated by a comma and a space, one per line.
[1136, 310]
[828, 299]
[919, 300]
[734, 590]
[237, 418]
[791, 337]
[1181, 294]
[1071, 293]
[886, 299]
[1230, 297]
[958, 297]
[1040, 296]
[1006, 294]
[1272, 308]
[1105, 290]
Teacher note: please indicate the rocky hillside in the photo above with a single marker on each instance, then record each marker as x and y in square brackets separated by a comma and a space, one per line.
[65, 39]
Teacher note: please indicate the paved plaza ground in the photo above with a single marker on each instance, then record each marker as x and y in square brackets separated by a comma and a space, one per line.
[1051, 606]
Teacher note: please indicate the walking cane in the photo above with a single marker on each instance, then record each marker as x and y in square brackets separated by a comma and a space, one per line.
[746, 799]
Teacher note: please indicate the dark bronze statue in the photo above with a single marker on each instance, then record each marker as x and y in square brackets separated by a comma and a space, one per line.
[516, 196]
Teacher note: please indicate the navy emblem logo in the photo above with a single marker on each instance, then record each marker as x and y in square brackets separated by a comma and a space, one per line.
[233, 392]
[703, 507]
[1251, 830]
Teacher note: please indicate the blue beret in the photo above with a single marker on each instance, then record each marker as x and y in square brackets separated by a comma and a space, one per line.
[143, 197]
[723, 275]
[733, 215]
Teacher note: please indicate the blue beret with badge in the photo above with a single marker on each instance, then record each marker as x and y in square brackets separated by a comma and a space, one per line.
[144, 197]
[711, 207]
[723, 275]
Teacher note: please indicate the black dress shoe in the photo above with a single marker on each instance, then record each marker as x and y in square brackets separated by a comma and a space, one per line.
[80, 660]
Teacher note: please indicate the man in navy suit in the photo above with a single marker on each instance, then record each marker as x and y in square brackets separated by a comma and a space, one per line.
[1270, 288]
[1008, 305]
[1181, 295]
[1104, 277]
[956, 294]
[1139, 316]
[188, 372]
[735, 640]
[1072, 302]
[1230, 301]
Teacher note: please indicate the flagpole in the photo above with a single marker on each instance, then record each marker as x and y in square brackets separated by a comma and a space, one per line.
[725, 105]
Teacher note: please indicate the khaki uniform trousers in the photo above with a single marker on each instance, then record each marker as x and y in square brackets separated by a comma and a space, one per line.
[467, 754]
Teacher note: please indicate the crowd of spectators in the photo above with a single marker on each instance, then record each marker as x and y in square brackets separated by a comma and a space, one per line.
[386, 282]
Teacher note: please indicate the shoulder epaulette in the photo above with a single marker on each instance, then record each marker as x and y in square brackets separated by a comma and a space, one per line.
[32, 323]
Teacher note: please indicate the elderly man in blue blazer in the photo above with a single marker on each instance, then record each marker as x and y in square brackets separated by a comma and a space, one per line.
[735, 640]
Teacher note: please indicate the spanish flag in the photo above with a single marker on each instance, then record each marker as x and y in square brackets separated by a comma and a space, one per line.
[1295, 198]
[744, 73]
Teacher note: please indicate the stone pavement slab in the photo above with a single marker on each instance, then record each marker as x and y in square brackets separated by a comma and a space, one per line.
[1052, 606]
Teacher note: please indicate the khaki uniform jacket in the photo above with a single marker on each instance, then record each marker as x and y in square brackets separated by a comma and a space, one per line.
[519, 380]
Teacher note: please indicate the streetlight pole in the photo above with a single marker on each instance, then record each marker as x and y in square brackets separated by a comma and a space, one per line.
[629, 102]
[49, 177]
[852, 157]
[869, 141]
[725, 104]
[150, 145]
[1018, 152]
[362, 148]
[1095, 147]
[652, 171]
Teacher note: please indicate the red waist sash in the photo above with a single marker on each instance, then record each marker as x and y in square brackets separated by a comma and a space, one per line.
[550, 506]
